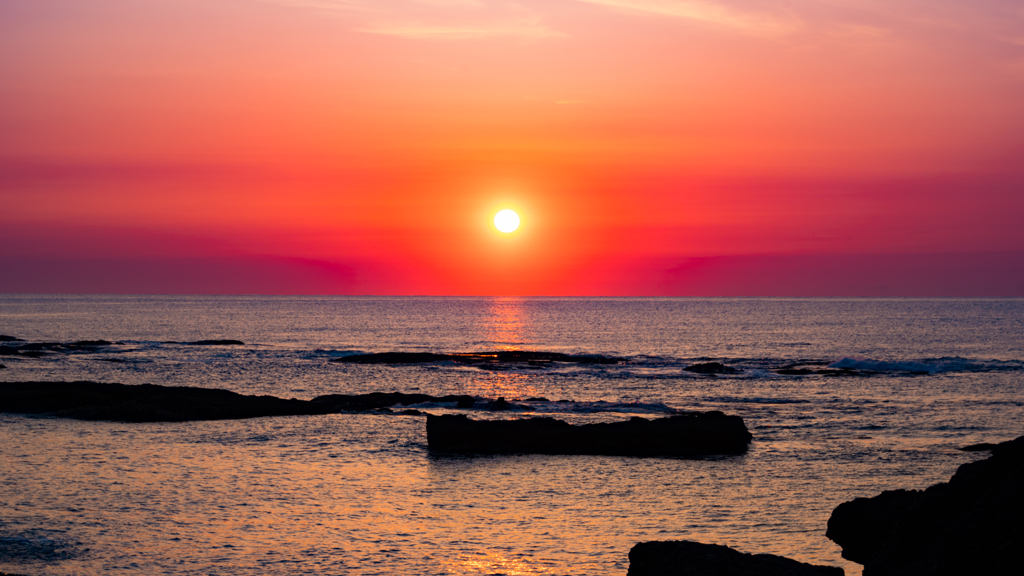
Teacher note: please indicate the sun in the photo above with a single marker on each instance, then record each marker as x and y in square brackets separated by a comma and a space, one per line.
[507, 221]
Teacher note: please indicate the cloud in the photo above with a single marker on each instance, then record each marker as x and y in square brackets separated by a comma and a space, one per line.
[450, 20]
[866, 21]
[750, 21]
[423, 31]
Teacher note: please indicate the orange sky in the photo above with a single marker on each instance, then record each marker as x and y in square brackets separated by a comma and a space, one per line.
[653, 147]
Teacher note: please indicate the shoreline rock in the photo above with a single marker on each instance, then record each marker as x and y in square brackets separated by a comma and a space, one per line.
[983, 447]
[688, 558]
[969, 525]
[712, 368]
[479, 359]
[692, 434]
[846, 525]
[154, 403]
[38, 349]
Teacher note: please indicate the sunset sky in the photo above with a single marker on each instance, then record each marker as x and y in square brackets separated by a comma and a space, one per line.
[651, 147]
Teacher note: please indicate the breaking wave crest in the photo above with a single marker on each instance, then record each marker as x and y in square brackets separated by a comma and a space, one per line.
[925, 366]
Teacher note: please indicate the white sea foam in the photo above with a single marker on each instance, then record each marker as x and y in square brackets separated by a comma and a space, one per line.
[338, 353]
[925, 366]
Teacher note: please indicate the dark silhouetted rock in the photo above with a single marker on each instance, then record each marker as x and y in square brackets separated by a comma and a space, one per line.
[40, 346]
[374, 400]
[152, 403]
[479, 359]
[686, 558]
[37, 349]
[841, 372]
[141, 403]
[711, 368]
[6, 338]
[690, 434]
[861, 526]
[2, 367]
[973, 524]
[394, 358]
[831, 372]
[983, 447]
[500, 404]
[217, 343]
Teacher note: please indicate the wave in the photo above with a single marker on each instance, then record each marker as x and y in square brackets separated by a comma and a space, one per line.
[37, 546]
[650, 367]
[925, 366]
[600, 364]
[337, 353]
[599, 406]
[756, 400]
[545, 406]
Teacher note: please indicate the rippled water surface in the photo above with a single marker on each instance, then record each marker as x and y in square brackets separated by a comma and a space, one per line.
[361, 494]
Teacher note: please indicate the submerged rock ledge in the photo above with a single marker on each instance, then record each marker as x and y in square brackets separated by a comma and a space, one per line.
[695, 433]
[154, 403]
[479, 359]
[688, 558]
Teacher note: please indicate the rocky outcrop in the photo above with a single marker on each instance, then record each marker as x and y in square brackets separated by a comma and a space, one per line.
[37, 349]
[141, 403]
[63, 346]
[969, 525]
[6, 338]
[152, 403]
[838, 372]
[394, 358]
[982, 447]
[809, 368]
[686, 558]
[688, 434]
[377, 400]
[863, 525]
[711, 368]
[478, 359]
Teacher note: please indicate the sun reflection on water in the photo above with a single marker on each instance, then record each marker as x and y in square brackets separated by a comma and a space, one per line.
[503, 385]
[505, 329]
[505, 326]
[492, 563]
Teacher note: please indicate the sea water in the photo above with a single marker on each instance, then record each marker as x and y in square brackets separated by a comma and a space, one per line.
[362, 494]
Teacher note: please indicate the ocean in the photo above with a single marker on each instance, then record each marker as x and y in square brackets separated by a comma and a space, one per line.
[362, 494]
